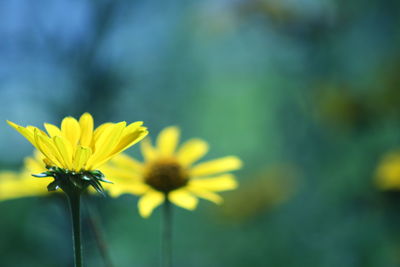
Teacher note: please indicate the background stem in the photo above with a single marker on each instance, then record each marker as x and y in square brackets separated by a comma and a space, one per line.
[74, 203]
[95, 225]
[167, 234]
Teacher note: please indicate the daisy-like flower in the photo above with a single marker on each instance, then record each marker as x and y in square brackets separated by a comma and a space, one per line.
[73, 155]
[74, 152]
[170, 173]
[19, 184]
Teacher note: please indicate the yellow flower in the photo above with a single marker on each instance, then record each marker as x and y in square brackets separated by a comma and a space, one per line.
[388, 172]
[21, 184]
[169, 172]
[74, 153]
[76, 146]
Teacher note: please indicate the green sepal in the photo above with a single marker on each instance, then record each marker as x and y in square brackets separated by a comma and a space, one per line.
[105, 180]
[53, 186]
[70, 181]
[96, 173]
[86, 177]
[44, 174]
[97, 186]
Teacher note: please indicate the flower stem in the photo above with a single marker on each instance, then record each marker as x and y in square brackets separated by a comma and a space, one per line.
[167, 234]
[74, 203]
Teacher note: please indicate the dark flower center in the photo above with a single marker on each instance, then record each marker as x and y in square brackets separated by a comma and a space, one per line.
[165, 175]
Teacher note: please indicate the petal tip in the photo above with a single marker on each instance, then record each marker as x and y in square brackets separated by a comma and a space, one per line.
[12, 124]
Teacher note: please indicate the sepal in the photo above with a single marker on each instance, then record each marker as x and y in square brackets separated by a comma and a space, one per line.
[53, 186]
[71, 181]
[43, 174]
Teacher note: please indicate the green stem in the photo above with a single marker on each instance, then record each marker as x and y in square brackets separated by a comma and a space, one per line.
[74, 203]
[167, 234]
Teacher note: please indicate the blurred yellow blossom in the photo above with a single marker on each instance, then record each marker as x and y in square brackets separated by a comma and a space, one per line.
[21, 183]
[261, 192]
[170, 172]
[388, 172]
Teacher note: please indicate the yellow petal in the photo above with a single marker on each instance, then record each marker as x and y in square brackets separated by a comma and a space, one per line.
[120, 174]
[130, 136]
[33, 129]
[200, 192]
[110, 136]
[149, 202]
[103, 160]
[183, 198]
[148, 151]
[124, 161]
[216, 166]
[82, 154]
[105, 144]
[65, 149]
[219, 183]
[27, 133]
[127, 187]
[33, 165]
[48, 149]
[86, 123]
[48, 162]
[20, 185]
[191, 151]
[71, 130]
[168, 140]
[52, 130]
[99, 130]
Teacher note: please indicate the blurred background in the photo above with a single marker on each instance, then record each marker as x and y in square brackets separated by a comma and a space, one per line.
[305, 92]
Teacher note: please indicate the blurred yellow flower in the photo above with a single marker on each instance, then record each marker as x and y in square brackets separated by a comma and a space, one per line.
[169, 172]
[21, 184]
[262, 192]
[76, 146]
[388, 172]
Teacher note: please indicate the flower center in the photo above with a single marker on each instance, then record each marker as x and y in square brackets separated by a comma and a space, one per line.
[165, 175]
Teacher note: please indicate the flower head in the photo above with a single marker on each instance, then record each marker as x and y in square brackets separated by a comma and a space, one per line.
[75, 151]
[168, 172]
